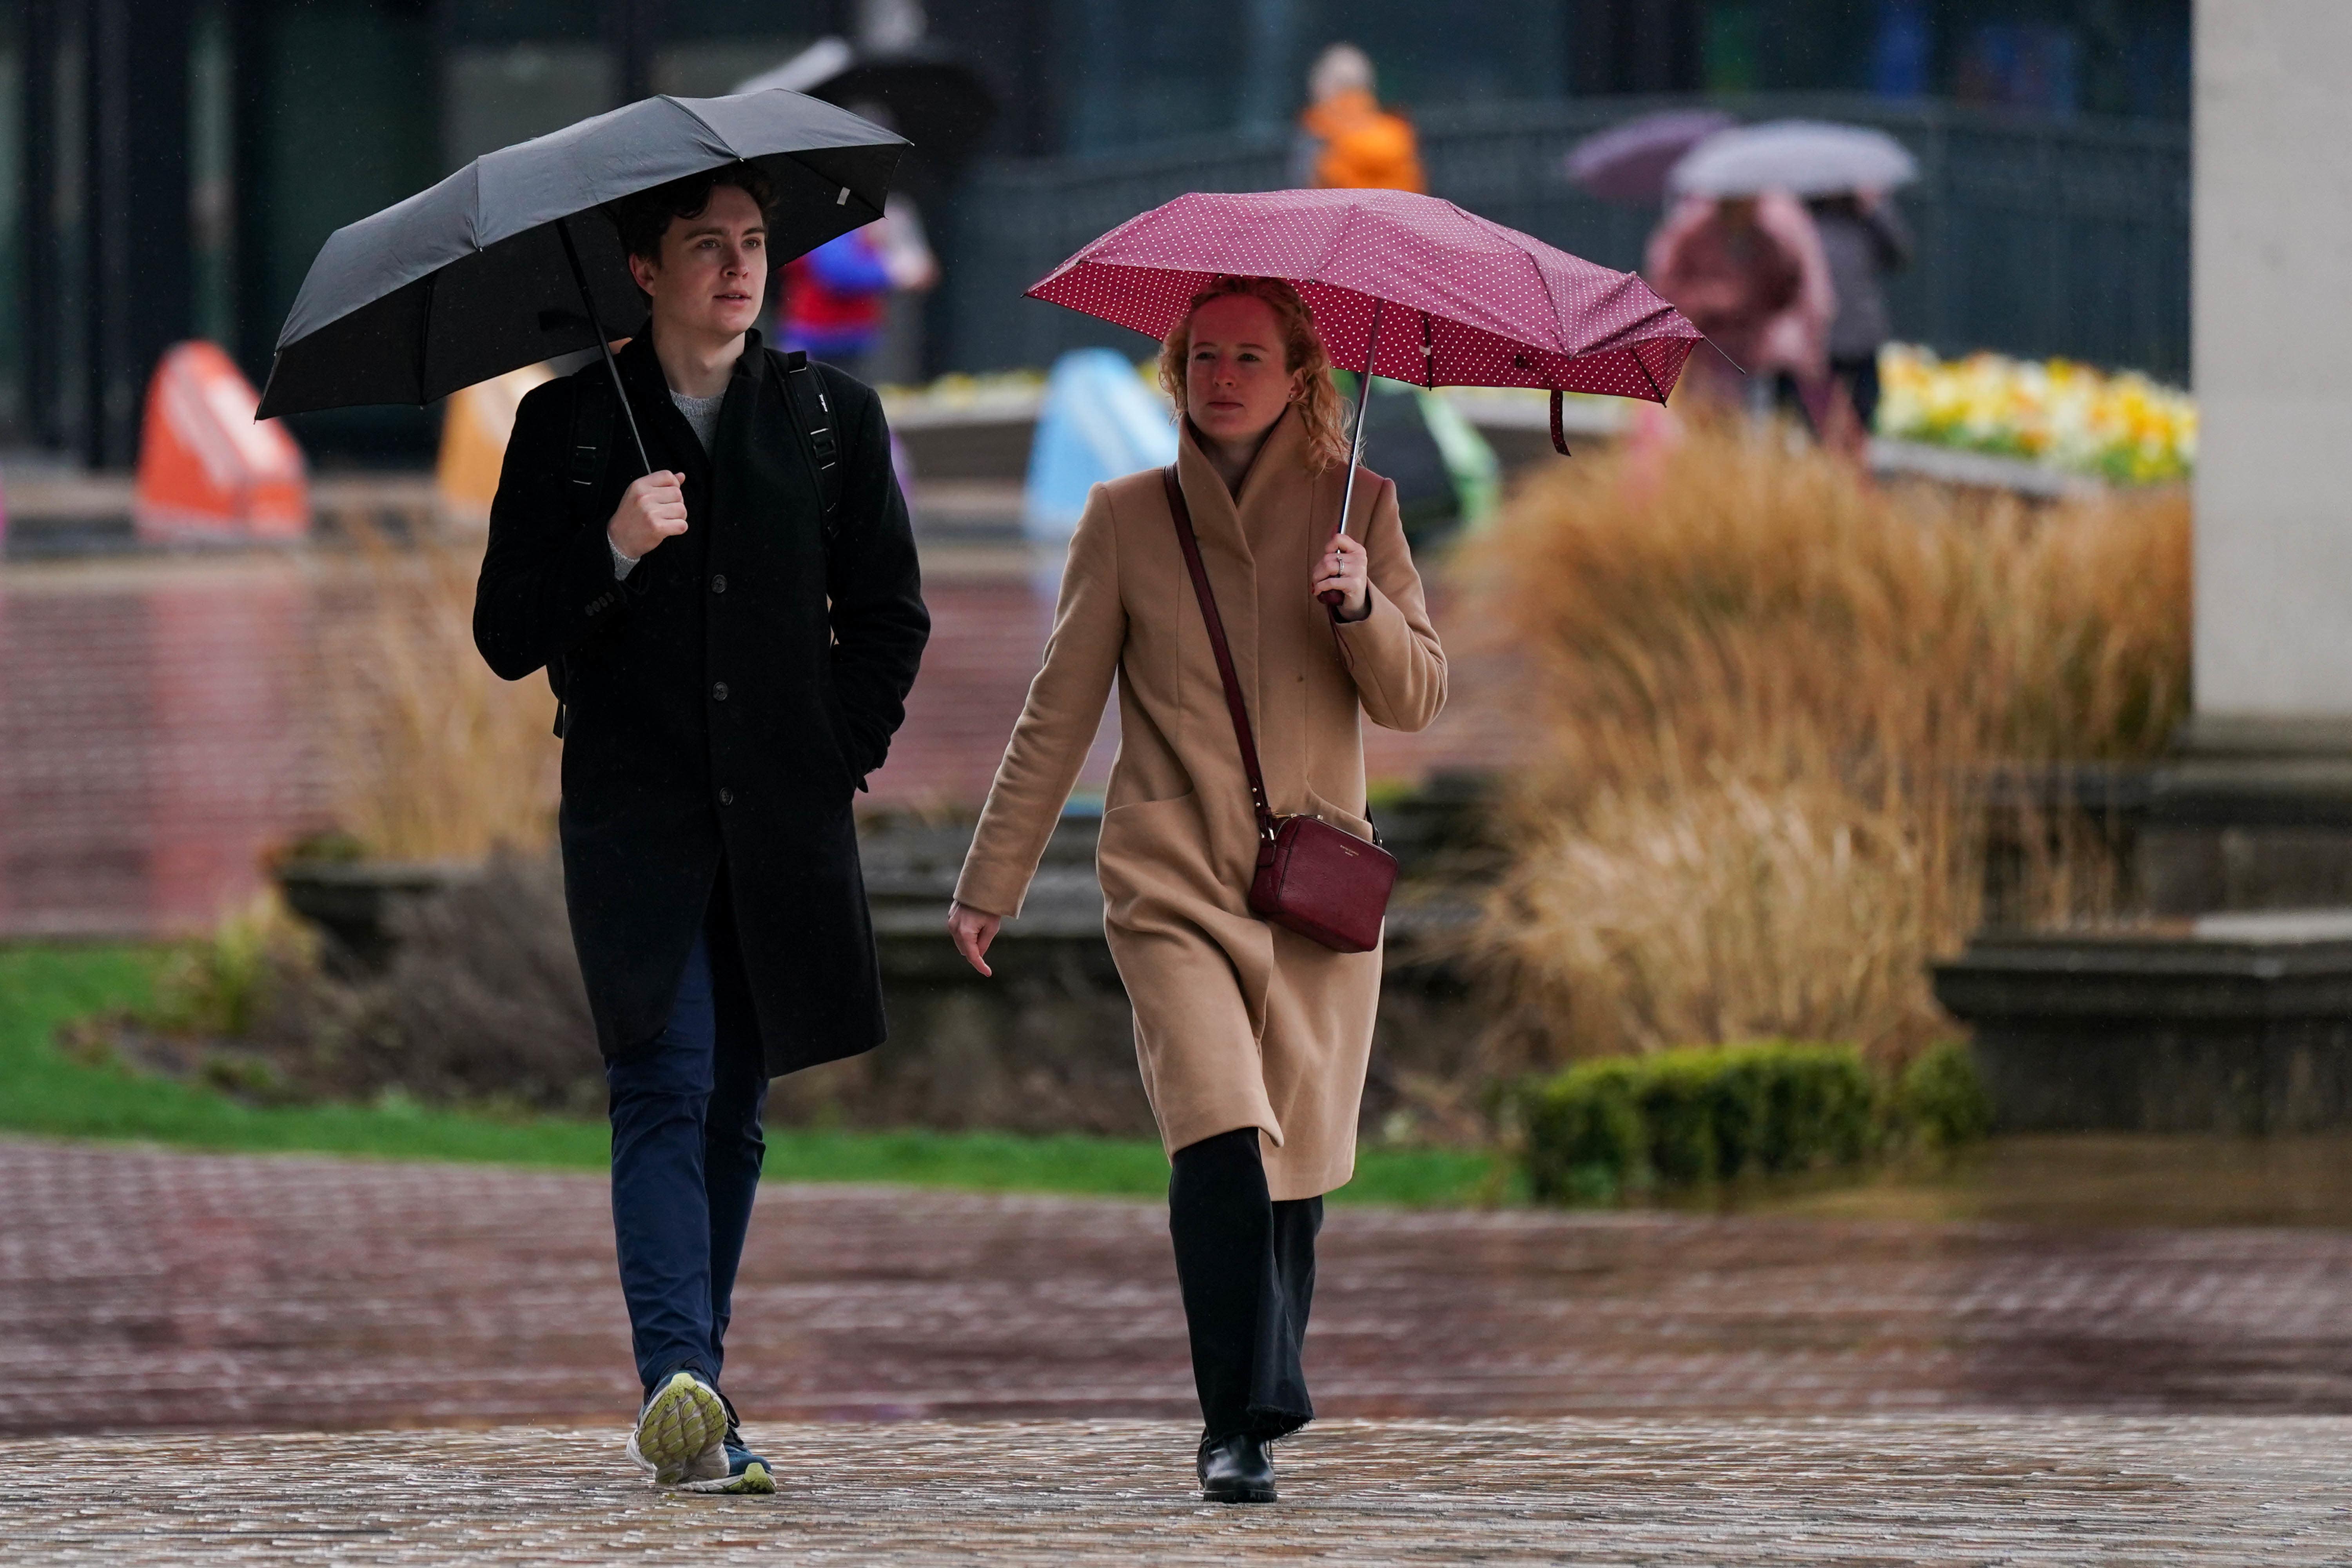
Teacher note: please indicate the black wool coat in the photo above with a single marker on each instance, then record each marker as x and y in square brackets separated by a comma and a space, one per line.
[724, 702]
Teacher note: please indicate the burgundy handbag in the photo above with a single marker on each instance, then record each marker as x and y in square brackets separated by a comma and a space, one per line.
[1321, 881]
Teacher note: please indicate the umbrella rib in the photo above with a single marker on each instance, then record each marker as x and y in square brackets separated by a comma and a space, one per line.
[707, 126]
[1642, 367]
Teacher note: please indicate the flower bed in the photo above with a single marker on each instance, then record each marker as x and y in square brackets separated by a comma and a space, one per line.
[2121, 426]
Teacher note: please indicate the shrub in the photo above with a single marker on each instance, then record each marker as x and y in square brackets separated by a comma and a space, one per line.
[1677, 1119]
[1941, 1101]
[1585, 1140]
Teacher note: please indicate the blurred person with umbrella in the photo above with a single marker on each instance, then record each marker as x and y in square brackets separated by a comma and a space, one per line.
[856, 301]
[1843, 173]
[1630, 162]
[1346, 139]
[1254, 605]
[839, 299]
[701, 539]
[1863, 239]
[1750, 272]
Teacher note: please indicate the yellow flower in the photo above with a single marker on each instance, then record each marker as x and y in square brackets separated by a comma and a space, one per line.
[2123, 426]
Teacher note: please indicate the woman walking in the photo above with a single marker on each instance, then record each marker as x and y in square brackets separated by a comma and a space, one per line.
[1252, 1040]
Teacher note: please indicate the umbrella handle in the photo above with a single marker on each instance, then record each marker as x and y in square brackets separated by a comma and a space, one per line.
[1333, 597]
[579, 277]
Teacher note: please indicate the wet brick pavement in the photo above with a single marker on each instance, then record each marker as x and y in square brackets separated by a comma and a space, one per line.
[1860, 1491]
[1504, 1387]
[158, 1290]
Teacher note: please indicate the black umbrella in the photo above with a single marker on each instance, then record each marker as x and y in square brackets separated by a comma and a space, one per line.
[504, 264]
[935, 98]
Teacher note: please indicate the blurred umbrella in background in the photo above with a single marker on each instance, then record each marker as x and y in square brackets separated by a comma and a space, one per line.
[505, 263]
[1628, 162]
[933, 98]
[1802, 157]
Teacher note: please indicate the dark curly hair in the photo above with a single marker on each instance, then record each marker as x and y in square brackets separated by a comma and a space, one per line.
[644, 216]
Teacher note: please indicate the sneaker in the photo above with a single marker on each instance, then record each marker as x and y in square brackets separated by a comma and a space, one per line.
[741, 1473]
[681, 1433]
[746, 1472]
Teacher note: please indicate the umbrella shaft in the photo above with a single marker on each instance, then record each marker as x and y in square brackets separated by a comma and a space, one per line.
[1363, 402]
[588, 302]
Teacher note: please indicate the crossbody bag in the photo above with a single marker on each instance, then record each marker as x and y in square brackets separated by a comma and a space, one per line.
[1318, 880]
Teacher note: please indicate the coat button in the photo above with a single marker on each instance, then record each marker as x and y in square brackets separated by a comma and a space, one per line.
[719, 584]
[727, 797]
[719, 691]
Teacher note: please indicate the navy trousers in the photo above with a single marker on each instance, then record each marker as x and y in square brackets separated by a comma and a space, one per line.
[1245, 1267]
[686, 1160]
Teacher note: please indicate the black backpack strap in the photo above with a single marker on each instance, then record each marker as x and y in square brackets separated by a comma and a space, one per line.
[812, 412]
[594, 405]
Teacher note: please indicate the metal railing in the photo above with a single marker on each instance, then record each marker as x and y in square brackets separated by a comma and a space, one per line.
[2037, 235]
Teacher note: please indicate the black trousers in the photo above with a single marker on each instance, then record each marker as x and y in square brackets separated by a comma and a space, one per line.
[1245, 1265]
[1859, 376]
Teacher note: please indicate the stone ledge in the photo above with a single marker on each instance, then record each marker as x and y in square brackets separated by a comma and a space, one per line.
[2236, 1022]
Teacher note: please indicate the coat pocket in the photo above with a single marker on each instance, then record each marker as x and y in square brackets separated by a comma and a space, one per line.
[1339, 817]
[1149, 848]
[837, 732]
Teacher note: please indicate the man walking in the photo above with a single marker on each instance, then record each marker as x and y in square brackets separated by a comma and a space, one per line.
[730, 638]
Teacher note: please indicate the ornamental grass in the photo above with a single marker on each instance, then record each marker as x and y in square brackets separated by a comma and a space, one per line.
[1771, 706]
[435, 757]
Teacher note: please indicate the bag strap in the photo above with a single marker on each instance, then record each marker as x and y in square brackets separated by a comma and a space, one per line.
[1232, 683]
[812, 412]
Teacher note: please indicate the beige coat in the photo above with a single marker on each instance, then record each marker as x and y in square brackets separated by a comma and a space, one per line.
[1237, 1024]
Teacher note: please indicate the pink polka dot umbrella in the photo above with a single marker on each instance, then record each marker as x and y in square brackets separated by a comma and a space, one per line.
[1402, 284]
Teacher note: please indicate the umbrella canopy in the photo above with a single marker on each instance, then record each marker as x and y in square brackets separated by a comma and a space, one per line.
[1628, 162]
[1803, 157]
[473, 277]
[1465, 302]
[936, 100]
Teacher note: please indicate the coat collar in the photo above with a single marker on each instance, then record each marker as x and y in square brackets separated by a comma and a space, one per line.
[665, 429]
[1217, 513]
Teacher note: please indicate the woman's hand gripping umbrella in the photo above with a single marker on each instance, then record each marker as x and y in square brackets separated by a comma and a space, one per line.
[1401, 285]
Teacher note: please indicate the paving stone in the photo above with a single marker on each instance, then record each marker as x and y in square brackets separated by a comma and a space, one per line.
[144, 1291]
[1980, 1489]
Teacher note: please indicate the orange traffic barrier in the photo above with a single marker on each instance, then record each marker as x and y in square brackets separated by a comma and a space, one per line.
[474, 427]
[207, 468]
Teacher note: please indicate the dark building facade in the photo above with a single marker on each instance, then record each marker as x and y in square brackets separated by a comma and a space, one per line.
[170, 166]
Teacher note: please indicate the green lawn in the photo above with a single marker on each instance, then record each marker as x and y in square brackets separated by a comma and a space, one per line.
[43, 1092]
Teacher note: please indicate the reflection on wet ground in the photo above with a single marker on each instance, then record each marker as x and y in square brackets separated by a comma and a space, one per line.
[146, 1290]
[2098, 1179]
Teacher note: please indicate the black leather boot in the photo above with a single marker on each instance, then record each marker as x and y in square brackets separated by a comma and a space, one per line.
[1235, 1469]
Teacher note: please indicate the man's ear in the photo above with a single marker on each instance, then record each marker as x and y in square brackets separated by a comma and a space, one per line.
[643, 272]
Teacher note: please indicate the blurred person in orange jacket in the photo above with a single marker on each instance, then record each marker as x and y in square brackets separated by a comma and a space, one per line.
[1346, 140]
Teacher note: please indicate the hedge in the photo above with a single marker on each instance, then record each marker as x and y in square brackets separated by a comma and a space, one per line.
[1683, 1117]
